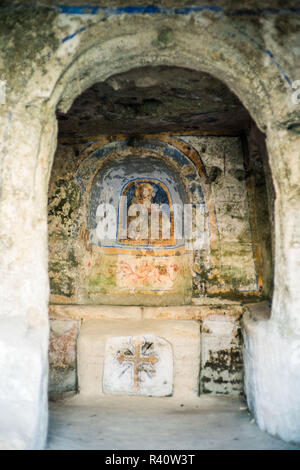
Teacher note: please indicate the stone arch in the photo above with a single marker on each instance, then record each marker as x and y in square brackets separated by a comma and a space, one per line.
[92, 61]
[83, 58]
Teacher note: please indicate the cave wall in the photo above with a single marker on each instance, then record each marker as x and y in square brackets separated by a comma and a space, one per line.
[262, 192]
[214, 173]
[255, 53]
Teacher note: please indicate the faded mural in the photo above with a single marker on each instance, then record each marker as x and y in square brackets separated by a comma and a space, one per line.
[138, 183]
[157, 267]
[159, 224]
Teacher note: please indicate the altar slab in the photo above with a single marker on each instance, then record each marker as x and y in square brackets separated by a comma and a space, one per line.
[183, 336]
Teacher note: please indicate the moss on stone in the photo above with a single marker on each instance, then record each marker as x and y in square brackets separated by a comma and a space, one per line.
[30, 44]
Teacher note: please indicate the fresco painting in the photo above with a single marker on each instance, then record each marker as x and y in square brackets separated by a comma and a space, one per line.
[154, 198]
[149, 272]
[136, 278]
[142, 261]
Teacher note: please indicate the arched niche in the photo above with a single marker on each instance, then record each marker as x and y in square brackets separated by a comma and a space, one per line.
[95, 53]
[106, 172]
[142, 272]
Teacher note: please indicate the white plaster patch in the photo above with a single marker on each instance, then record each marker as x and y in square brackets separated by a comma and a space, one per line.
[140, 365]
[272, 376]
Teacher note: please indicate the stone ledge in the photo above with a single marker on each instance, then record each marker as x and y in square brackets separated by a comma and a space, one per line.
[232, 311]
[82, 312]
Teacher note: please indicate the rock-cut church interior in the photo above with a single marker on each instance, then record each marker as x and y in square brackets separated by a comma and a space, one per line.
[151, 161]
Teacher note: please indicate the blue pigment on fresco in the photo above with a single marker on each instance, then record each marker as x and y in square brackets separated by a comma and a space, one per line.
[156, 10]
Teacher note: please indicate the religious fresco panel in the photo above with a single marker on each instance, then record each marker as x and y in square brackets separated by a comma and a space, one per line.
[138, 365]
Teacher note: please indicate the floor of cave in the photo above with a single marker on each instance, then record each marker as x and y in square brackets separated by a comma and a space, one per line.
[130, 422]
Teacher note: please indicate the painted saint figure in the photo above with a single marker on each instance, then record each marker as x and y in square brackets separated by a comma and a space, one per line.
[147, 221]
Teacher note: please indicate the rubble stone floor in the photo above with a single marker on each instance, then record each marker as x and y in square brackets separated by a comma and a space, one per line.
[119, 423]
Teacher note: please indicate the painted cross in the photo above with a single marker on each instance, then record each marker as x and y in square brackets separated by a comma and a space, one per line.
[139, 355]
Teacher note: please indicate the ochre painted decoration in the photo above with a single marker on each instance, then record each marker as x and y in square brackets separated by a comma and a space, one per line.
[158, 273]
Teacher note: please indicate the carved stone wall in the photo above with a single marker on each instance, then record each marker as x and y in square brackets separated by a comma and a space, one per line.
[206, 171]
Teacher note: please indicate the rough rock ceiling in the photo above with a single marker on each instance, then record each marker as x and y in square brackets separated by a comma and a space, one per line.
[154, 99]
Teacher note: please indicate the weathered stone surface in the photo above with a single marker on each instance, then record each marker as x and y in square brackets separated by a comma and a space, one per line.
[23, 371]
[272, 374]
[183, 336]
[141, 365]
[62, 355]
[194, 312]
[255, 55]
[84, 269]
[209, 306]
[221, 356]
[78, 312]
[164, 93]
[221, 348]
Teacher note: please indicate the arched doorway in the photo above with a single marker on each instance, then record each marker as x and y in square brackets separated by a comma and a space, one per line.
[84, 56]
[206, 169]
